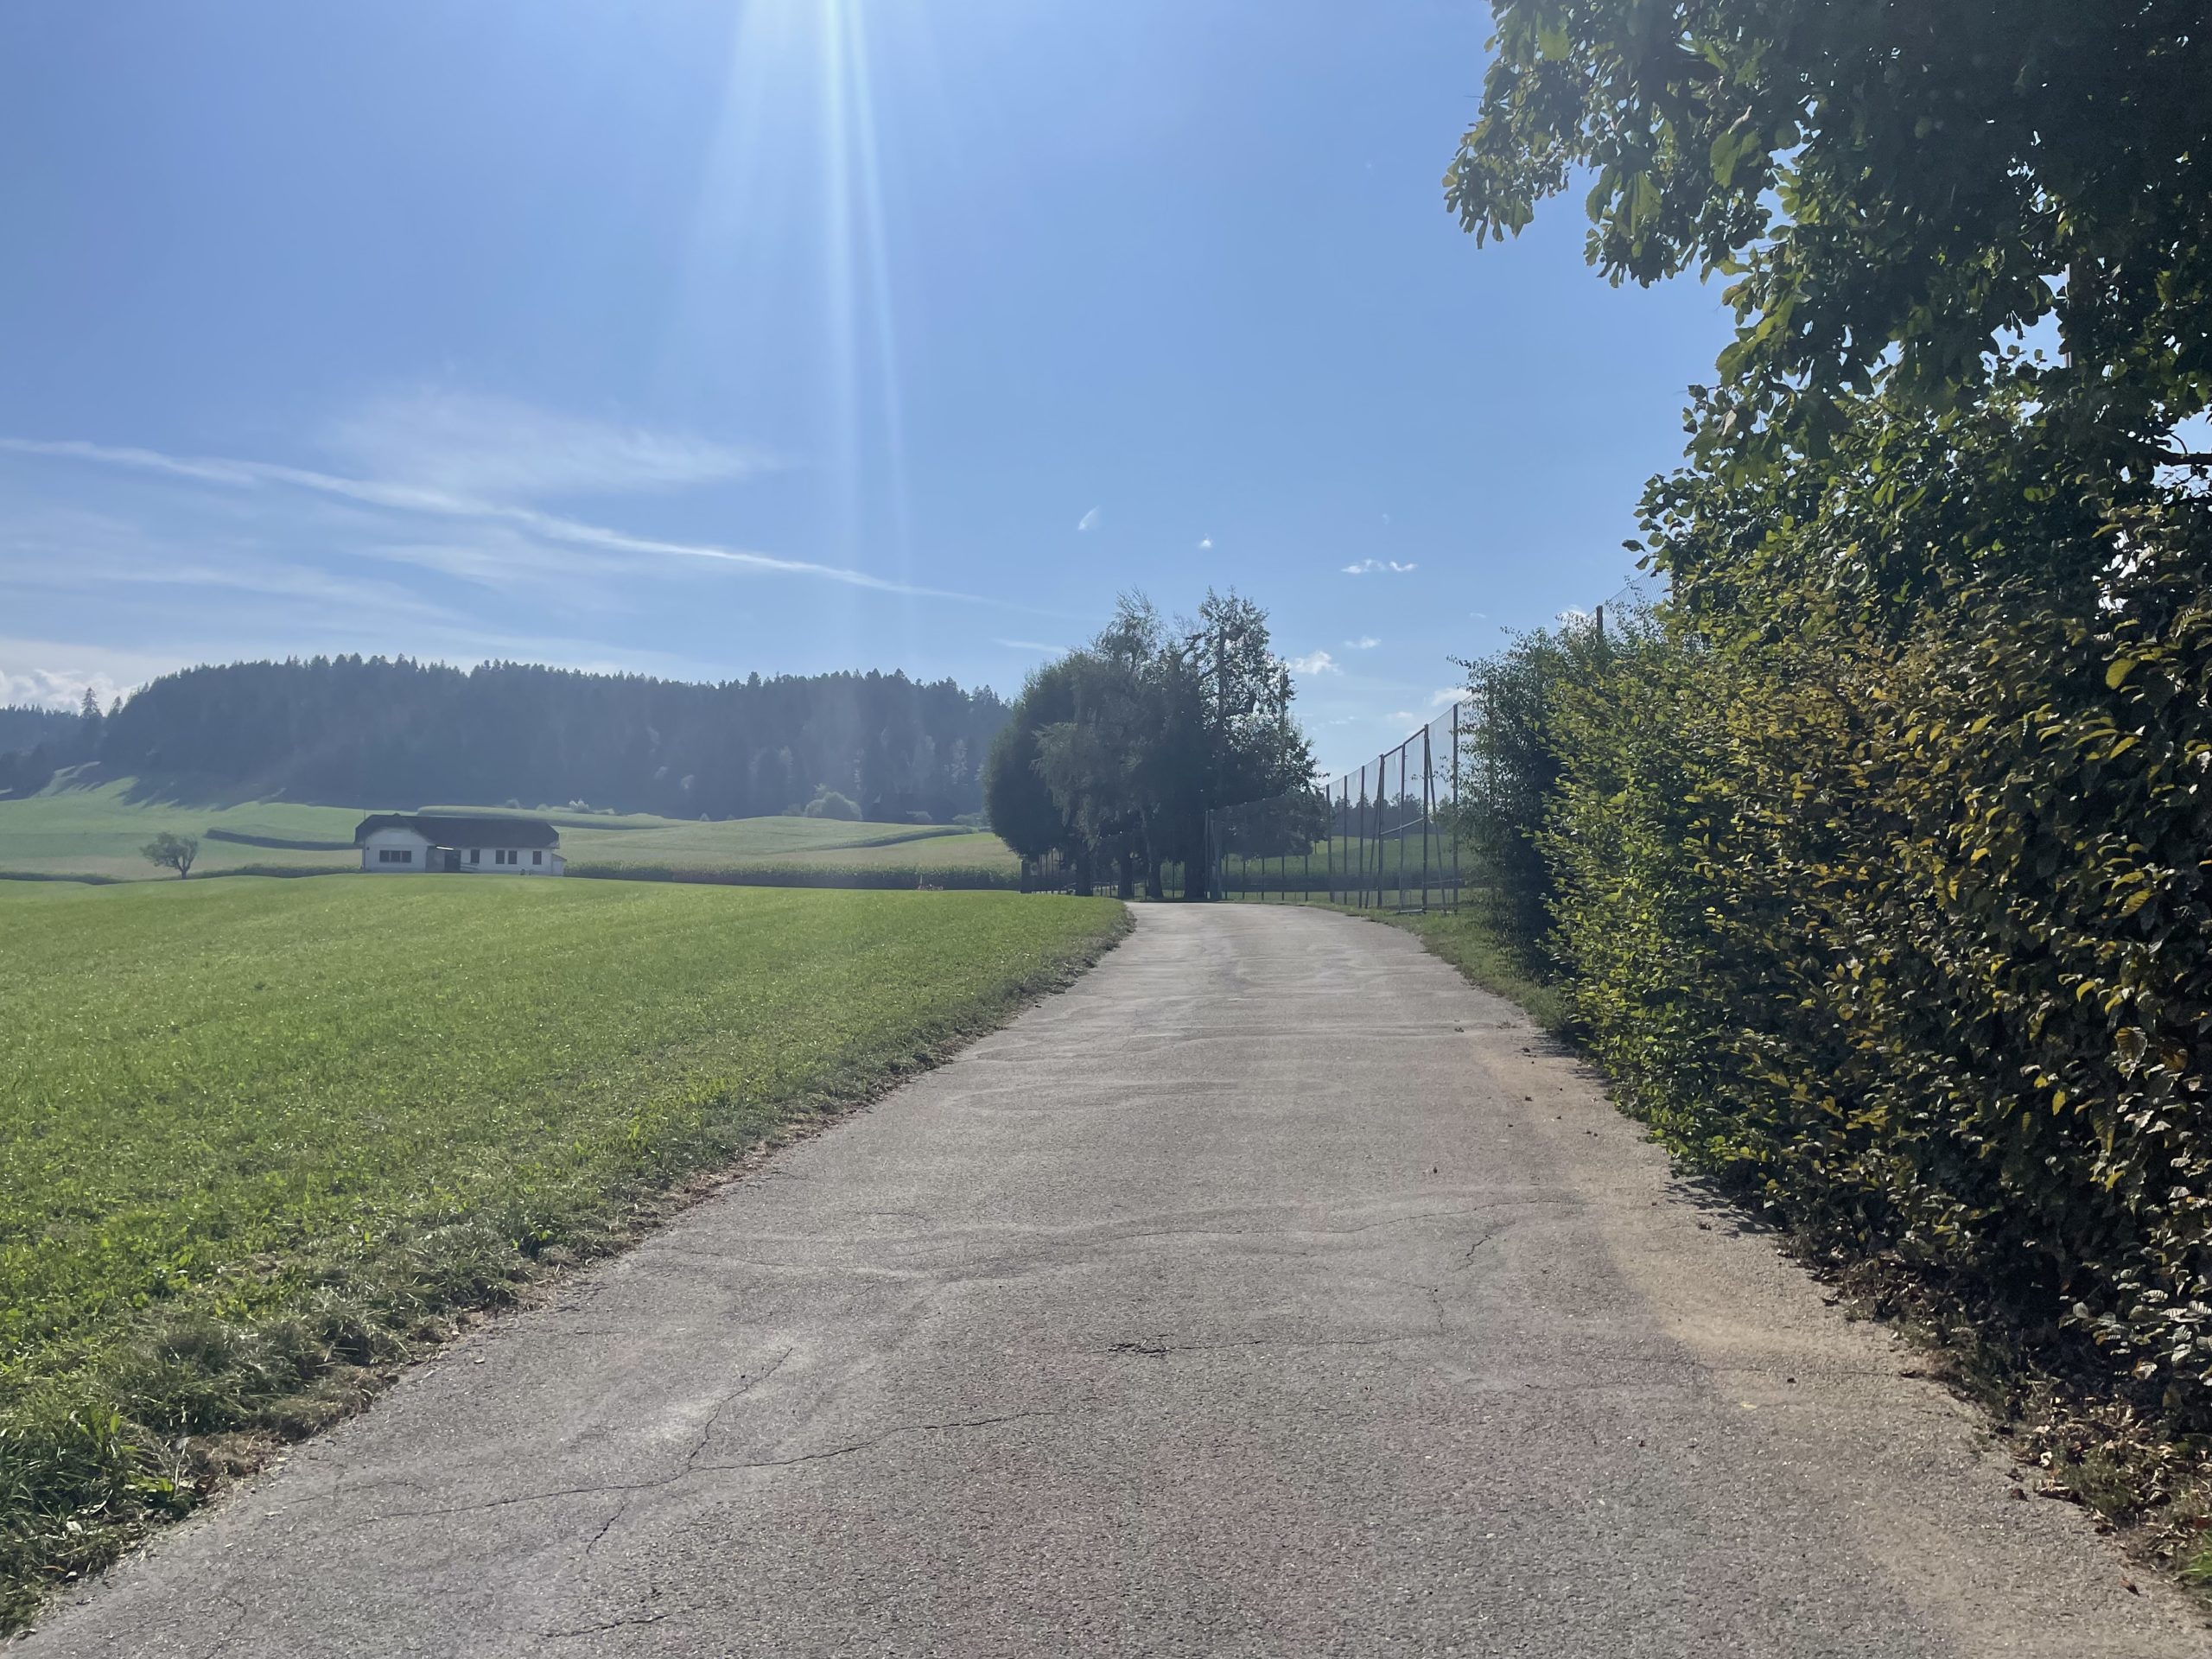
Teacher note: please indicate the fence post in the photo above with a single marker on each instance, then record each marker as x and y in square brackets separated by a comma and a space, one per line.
[1347, 822]
[1402, 793]
[1428, 812]
[1381, 784]
[1453, 903]
[1358, 883]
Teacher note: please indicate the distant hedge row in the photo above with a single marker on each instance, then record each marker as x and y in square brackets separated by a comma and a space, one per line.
[1906, 931]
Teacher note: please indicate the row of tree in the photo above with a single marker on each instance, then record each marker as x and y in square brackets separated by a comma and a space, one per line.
[1114, 753]
[373, 730]
[35, 743]
[24, 728]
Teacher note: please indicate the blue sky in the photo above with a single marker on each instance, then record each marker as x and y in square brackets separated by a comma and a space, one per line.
[701, 338]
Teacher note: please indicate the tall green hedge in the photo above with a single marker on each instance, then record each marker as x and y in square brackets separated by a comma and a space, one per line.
[1904, 928]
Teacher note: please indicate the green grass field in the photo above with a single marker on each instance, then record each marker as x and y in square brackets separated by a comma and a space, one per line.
[1346, 866]
[900, 858]
[258, 1136]
[98, 831]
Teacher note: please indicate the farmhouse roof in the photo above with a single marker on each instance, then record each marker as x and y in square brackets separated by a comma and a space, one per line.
[442, 830]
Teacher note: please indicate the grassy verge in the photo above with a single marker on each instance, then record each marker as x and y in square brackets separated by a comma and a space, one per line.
[260, 1141]
[1462, 940]
[1478, 951]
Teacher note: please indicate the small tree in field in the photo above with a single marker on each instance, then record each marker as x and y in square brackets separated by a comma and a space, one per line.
[173, 852]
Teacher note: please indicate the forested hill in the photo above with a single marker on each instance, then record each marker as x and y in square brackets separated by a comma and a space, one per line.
[26, 729]
[375, 731]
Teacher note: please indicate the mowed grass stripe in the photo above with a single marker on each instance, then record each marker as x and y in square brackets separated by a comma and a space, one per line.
[254, 1133]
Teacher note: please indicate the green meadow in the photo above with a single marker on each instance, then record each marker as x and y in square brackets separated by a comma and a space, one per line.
[948, 857]
[260, 1138]
[97, 832]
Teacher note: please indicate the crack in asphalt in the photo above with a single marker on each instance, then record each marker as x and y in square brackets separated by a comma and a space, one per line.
[690, 1460]
[692, 1467]
[222, 1639]
[878, 1440]
[1152, 1348]
[601, 1628]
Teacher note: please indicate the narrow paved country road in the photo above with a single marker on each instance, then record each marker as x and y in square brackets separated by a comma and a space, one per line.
[1269, 1292]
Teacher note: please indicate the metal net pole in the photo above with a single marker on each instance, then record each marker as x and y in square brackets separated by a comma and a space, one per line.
[1454, 896]
[1403, 747]
[1427, 812]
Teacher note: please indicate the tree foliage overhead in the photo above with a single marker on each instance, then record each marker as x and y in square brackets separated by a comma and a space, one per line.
[1894, 188]
[1114, 752]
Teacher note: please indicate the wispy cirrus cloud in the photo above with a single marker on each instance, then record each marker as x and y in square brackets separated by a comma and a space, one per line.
[1313, 662]
[469, 445]
[435, 501]
[1036, 645]
[1089, 520]
[1365, 642]
[1369, 567]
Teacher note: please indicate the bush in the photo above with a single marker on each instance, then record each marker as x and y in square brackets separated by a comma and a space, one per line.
[831, 804]
[1905, 933]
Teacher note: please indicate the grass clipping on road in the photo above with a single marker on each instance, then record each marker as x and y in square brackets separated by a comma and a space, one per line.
[260, 1140]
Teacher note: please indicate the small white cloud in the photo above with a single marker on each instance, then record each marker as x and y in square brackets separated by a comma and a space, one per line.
[1089, 521]
[1032, 645]
[1400, 717]
[26, 678]
[1319, 662]
[1448, 695]
[1366, 567]
[51, 688]
[1385, 518]
[1205, 543]
[1365, 642]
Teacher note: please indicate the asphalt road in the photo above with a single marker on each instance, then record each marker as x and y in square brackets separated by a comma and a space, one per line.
[1270, 1293]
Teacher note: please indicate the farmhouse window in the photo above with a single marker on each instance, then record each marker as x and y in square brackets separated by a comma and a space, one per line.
[395, 855]
[476, 854]
[538, 858]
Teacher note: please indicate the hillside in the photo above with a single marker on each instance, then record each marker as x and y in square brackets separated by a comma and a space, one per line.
[349, 729]
[96, 831]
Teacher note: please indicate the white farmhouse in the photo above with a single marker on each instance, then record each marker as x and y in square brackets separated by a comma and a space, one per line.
[397, 844]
